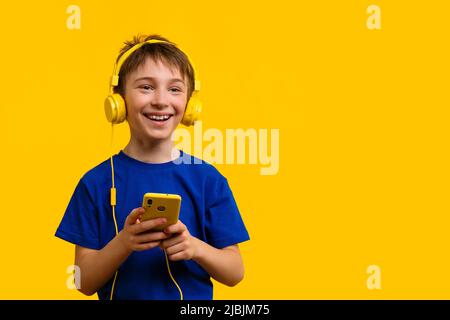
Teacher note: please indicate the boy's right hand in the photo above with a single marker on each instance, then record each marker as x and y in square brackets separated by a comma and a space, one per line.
[137, 235]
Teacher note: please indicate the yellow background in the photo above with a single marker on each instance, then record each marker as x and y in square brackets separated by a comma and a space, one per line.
[363, 119]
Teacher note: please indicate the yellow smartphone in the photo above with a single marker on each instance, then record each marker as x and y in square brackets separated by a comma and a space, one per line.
[161, 205]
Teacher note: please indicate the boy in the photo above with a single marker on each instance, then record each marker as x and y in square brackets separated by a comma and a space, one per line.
[121, 257]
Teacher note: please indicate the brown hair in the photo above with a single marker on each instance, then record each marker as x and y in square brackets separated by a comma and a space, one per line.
[167, 53]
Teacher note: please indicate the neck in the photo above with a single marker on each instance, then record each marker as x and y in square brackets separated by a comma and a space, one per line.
[151, 151]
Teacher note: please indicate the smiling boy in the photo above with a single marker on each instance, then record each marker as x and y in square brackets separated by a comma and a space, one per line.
[156, 82]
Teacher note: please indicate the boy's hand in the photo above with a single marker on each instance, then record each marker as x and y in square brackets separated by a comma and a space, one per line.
[181, 245]
[137, 235]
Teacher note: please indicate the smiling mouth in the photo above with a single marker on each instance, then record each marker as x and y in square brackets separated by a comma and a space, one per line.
[158, 117]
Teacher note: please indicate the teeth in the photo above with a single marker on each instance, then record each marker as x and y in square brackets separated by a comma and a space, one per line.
[160, 118]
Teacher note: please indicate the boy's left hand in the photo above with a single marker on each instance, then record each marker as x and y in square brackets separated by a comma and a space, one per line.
[181, 245]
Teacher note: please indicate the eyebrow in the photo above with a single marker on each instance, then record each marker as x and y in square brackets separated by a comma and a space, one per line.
[152, 78]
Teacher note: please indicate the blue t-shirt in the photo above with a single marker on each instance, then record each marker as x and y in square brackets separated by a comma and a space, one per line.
[208, 210]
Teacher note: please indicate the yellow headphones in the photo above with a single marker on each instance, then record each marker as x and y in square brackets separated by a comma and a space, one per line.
[115, 107]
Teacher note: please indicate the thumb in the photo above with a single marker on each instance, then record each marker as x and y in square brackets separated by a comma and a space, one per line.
[134, 215]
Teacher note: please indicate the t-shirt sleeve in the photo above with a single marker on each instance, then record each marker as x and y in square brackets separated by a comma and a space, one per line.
[224, 224]
[79, 224]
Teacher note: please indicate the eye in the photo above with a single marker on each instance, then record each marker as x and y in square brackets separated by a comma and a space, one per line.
[146, 87]
[175, 89]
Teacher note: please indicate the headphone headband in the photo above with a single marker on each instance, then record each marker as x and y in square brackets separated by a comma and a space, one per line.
[126, 54]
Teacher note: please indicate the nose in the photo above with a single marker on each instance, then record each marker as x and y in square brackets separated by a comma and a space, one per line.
[159, 99]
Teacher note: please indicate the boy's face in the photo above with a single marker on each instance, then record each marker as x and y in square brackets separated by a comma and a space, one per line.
[156, 98]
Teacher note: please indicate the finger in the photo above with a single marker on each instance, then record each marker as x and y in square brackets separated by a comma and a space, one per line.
[147, 225]
[134, 215]
[176, 248]
[172, 241]
[182, 255]
[176, 228]
[150, 236]
[146, 246]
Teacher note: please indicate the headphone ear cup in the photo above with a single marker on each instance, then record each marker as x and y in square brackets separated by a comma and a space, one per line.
[115, 109]
[193, 110]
